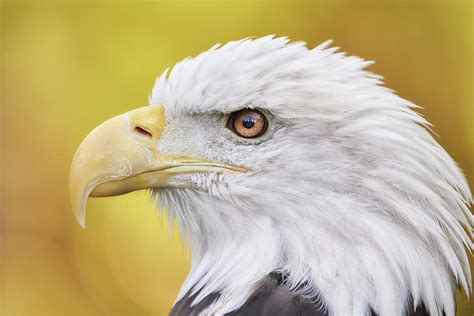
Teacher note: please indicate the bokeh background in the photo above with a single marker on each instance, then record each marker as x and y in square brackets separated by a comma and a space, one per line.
[66, 66]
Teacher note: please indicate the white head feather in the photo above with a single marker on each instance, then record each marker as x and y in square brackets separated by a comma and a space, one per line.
[348, 194]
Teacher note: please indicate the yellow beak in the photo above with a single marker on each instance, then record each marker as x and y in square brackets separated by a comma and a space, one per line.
[121, 156]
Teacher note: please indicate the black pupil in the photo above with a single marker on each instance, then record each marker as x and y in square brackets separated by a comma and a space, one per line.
[248, 121]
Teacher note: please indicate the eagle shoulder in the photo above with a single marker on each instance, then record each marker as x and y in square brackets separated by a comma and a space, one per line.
[271, 298]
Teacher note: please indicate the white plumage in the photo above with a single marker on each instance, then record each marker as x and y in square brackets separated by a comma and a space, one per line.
[349, 194]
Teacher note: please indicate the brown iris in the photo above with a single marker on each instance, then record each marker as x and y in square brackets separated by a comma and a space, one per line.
[248, 123]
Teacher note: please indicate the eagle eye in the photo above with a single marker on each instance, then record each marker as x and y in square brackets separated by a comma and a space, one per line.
[248, 123]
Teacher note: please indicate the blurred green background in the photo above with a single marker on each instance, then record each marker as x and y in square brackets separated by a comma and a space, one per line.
[66, 66]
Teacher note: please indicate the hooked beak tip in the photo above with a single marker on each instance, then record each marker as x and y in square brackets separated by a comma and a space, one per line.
[81, 221]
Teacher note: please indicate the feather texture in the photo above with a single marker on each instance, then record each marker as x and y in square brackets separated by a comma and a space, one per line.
[348, 194]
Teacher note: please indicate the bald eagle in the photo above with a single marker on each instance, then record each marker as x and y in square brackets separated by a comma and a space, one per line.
[303, 185]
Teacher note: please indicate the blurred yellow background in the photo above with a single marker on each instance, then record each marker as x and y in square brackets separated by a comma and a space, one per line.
[66, 66]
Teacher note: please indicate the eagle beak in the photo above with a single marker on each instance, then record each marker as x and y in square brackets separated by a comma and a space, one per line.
[121, 156]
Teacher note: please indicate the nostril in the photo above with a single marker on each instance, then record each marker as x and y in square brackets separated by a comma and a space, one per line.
[142, 131]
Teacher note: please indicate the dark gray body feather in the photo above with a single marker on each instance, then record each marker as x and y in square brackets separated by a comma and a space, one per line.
[272, 298]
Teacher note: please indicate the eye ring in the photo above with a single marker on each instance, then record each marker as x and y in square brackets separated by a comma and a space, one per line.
[247, 123]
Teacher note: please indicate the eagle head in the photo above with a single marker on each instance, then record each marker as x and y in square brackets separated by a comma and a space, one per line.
[276, 157]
